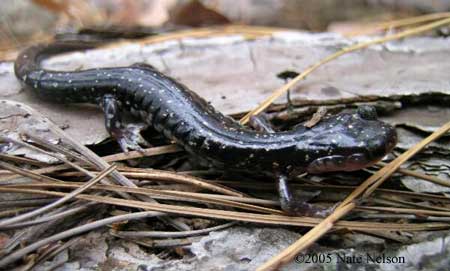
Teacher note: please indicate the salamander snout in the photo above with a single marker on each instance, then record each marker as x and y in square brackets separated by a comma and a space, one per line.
[358, 140]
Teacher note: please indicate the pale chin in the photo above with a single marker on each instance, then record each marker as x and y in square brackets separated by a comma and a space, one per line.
[333, 163]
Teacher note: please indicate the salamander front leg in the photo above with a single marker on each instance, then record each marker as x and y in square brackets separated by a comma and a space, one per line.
[128, 136]
[297, 207]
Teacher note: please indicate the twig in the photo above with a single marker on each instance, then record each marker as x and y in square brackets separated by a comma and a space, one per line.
[74, 231]
[405, 210]
[22, 160]
[54, 155]
[166, 234]
[58, 148]
[397, 202]
[25, 202]
[422, 176]
[110, 158]
[59, 202]
[406, 217]
[91, 156]
[15, 211]
[181, 242]
[175, 195]
[153, 192]
[400, 23]
[239, 216]
[27, 173]
[144, 153]
[163, 175]
[50, 217]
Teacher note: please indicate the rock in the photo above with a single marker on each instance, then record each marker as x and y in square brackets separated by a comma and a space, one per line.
[409, 68]
[241, 248]
[429, 255]
[19, 22]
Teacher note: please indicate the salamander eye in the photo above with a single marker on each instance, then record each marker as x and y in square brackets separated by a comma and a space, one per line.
[367, 112]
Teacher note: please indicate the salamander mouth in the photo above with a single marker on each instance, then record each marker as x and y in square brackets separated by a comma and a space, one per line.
[358, 160]
[339, 163]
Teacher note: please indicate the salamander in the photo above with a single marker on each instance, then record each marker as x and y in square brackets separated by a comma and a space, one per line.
[346, 141]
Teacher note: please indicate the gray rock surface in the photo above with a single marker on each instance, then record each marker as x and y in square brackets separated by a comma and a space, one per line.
[15, 19]
[248, 68]
[239, 248]
[246, 248]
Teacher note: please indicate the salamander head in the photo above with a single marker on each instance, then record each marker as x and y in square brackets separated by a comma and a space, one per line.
[350, 141]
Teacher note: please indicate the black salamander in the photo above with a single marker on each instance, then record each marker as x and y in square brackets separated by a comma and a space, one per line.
[344, 142]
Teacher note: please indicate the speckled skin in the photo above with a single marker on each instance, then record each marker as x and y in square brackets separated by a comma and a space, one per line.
[347, 141]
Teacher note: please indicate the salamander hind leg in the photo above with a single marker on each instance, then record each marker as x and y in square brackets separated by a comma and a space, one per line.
[297, 207]
[127, 135]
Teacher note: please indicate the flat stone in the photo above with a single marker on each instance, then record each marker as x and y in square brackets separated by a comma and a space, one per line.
[223, 70]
